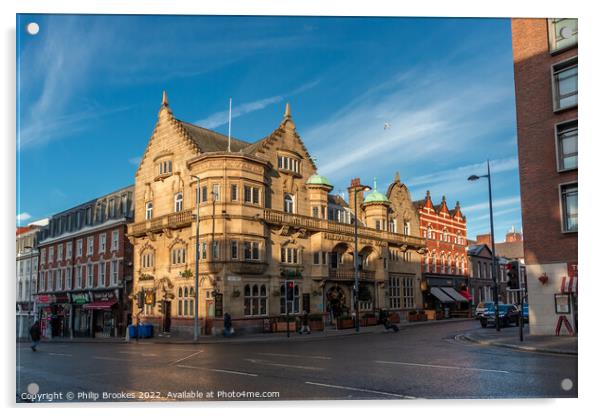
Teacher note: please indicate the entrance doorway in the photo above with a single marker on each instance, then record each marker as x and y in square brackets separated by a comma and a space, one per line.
[166, 324]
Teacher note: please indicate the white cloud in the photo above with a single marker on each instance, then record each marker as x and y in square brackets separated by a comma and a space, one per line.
[24, 216]
[429, 121]
[135, 160]
[497, 203]
[221, 117]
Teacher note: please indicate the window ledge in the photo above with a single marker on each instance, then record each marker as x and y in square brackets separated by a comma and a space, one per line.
[563, 109]
[162, 177]
[568, 170]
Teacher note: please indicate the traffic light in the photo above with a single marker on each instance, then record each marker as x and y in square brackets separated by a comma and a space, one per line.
[512, 274]
[160, 307]
[140, 299]
[290, 290]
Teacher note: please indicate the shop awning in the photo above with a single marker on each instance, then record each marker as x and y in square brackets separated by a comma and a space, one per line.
[453, 293]
[107, 304]
[439, 294]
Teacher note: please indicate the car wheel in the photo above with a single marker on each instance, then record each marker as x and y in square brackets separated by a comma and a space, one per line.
[483, 323]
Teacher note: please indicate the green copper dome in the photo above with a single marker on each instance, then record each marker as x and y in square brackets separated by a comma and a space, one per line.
[318, 180]
[375, 196]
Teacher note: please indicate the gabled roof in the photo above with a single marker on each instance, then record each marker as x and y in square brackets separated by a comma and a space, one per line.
[338, 200]
[477, 250]
[212, 141]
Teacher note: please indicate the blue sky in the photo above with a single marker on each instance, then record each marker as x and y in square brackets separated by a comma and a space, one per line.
[89, 89]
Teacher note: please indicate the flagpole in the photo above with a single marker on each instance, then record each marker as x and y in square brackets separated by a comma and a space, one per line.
[229, 123]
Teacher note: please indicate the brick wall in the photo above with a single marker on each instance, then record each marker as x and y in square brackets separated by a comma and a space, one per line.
[544, 241]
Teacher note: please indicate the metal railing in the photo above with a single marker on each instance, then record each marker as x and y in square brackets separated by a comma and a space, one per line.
[349, 274]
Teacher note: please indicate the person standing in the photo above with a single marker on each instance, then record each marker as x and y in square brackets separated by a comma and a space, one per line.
[35, 334]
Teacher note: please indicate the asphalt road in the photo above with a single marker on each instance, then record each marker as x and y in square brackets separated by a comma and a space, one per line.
[420, 362]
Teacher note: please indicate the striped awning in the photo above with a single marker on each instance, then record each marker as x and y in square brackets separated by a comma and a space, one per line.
[569, 285]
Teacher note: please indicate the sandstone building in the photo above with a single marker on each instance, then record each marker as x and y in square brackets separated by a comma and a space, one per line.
[265, 217]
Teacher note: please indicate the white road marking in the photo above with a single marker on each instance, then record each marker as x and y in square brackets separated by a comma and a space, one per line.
[317, 357]
[187, 357]
[301, 367]
[384, 393]
[61, 354]
[217, 370]
[448, 367]
[109, 358]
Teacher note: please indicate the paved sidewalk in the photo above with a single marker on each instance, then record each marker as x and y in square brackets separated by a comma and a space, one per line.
[509, 338]
[260, 337]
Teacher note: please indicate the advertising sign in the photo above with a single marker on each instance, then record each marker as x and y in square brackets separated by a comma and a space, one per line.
[562, 303]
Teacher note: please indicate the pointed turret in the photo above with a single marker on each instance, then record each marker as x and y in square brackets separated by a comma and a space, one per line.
[164, 105]
[287, 111]
[397, 177]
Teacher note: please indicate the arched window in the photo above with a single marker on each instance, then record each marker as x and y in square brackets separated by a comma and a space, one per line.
[147, 259]
[178, 198]
[255, 299]
[406, 227]
[149, 211]
[289, 205]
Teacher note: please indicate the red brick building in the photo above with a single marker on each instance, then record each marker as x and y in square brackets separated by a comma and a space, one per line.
[85, 269]
[545, 72]
[445, 263]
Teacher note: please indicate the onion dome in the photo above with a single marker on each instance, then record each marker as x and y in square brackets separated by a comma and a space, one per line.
[319, 180]
[376, 197]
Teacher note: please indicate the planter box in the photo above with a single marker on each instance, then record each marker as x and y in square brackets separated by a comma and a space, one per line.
[344, 323]
[368, 321]
[394, 318]
[316, 325]
[281, 326]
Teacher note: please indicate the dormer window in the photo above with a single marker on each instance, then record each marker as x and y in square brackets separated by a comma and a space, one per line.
[289, 163]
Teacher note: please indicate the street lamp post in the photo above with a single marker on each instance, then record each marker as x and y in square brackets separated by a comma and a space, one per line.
[196, 261]
[356, 274]
[495, 271]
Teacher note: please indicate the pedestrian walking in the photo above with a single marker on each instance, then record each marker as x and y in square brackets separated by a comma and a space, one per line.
[305, 324]
[35, 334]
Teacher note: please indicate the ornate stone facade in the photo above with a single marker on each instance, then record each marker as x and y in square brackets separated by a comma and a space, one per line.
[265, 217]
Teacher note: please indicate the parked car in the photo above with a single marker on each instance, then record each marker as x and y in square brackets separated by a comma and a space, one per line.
[508, 314]
[481, 308]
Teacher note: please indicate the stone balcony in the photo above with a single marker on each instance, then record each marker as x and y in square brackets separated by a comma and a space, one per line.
[160, 224]
[348, 274]
[322, 225]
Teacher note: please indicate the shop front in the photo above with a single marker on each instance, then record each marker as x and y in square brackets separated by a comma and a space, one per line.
[43, 313]
[81, 315]
[104, 314]
[60, 316]
[442, 294]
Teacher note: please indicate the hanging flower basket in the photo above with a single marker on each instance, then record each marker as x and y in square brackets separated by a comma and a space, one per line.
[543, 279]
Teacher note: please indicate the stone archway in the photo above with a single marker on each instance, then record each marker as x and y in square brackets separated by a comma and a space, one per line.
[336, 299]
